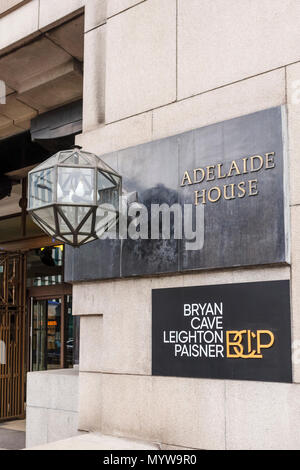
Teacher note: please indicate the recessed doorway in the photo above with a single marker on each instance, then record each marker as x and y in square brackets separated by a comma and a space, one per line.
[53, 332]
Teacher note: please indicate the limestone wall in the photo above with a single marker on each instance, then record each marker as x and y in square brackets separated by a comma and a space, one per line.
[172, 66]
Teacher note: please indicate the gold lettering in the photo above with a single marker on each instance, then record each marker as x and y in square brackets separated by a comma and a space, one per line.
[270, 160]
[219, 193]
[235, 167]
[220, 176]
[236, 349]
[261, 163]
[236, 344]
[232, 191]
[253, 191]
[210, 173]
[199, 195]
[264, 346]
[186, 177]
[195, 175]
[245, 169]
[241, 187]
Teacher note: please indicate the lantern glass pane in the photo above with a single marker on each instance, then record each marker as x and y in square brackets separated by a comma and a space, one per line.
[47, 217]
[75, 185]
[82, 238]
[109, 187]
[61, 156]
[70, 238]
[106, 181]
[64, 192]
[41, 187]
[45, 228]
[87, 226]
[58, 238]
[77, 159]
[74, 214]
[63, 226]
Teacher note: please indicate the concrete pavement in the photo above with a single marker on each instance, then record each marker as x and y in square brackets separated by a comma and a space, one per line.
[97, 441]
[12, 435]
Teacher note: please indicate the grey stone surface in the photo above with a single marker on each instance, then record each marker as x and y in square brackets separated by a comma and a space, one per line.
[119, 135]
[7, 5]
[36, 426]
[94, 77]
[241, 232]
[19, 24]
[223, 42]
[114, 7]
[95, 13]
[11, 440]
[61, 425]
[56, 11]
[146, 35]
[91, 347]
[295, 292]
[177, 412]
[293, 98]
[258, 92]
[52, 406]
[195, 413]
[262, 416]
[90, 409]
[62, 387]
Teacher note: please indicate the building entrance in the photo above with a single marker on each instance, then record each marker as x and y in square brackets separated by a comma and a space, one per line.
[53, 331]
[37, 329]
[12, 336]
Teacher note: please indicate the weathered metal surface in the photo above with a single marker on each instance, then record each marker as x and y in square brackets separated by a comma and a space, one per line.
[247, 229]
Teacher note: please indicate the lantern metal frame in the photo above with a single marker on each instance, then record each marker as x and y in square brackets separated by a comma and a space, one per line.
[74, 234]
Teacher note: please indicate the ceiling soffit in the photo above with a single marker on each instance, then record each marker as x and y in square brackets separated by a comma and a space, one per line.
[42, 75]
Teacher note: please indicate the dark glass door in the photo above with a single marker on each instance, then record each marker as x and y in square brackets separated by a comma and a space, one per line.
[46, 334]
[54, 333]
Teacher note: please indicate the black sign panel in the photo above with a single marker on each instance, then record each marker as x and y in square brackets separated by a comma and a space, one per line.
[231, 175]
[232, 331]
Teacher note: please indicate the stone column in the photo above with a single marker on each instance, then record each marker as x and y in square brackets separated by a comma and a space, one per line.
[94, 64]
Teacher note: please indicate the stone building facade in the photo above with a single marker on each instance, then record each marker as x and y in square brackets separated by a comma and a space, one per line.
[154, 69]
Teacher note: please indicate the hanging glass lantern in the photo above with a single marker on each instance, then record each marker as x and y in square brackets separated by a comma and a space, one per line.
[67, 195]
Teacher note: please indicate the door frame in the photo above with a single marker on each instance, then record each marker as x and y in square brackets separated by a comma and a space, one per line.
[58, 291]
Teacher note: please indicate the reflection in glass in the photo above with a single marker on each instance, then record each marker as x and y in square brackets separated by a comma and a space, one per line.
[48, 317]
[46, 339]
[64, 199]
[41, 188]
[71, 333]
[45, 266]
[75, 185]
